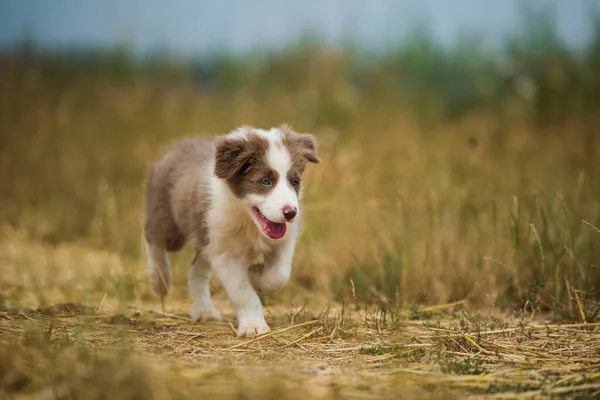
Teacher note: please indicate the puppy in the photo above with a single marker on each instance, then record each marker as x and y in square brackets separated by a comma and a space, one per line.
[236, 198]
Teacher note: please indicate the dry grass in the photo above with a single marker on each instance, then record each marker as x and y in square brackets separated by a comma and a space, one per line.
[71, 351]
[445, 258]
[94, 332]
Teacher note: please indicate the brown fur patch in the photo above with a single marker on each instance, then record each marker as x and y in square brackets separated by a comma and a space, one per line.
[176, 198]
[242, 162]
[302, 148]
[300, 145]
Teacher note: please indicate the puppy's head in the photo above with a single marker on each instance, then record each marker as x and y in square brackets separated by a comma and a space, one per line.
[264, 170]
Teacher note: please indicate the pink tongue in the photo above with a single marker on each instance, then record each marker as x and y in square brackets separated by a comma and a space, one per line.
[275, 230]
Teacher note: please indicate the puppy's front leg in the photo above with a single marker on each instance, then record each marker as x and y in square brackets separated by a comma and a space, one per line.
[277, 269]
[233, 275]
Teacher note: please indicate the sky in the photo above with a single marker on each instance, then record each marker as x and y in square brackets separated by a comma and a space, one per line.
[196, 27]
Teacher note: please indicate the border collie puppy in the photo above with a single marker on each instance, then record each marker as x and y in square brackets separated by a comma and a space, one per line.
[236, 198]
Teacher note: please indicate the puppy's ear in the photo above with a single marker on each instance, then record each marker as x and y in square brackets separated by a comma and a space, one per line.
[230, 157]
[303, 144]
[308, 143]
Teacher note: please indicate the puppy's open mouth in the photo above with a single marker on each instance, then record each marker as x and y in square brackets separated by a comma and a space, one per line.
[274, 230]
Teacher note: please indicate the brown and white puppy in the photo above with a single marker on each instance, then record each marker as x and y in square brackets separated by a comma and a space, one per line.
[237, 199]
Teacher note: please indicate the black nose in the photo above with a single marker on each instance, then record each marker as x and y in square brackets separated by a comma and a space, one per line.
[289, 212]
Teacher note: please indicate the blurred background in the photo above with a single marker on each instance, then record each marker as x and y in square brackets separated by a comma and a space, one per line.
[459, 141]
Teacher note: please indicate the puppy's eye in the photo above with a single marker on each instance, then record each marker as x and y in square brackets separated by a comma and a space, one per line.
[266, 181]
[295, 182]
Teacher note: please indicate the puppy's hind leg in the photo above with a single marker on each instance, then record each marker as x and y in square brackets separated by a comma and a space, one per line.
[159, 269]
[199, 288]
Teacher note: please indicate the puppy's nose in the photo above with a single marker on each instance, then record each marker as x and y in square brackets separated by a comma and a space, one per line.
[289, 212]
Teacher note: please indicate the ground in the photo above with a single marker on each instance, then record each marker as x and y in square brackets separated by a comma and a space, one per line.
[316, 350]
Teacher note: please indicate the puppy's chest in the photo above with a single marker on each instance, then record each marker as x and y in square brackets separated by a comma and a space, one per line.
[240, 239]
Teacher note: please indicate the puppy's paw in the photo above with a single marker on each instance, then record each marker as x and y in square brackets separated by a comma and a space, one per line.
[252, 327]
[203, 314]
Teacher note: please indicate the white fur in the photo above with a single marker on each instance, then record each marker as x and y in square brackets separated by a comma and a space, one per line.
[236, 241]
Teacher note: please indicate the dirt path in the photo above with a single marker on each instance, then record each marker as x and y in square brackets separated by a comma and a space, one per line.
[340, 353]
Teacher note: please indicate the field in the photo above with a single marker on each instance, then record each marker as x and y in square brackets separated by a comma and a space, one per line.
[450, 247]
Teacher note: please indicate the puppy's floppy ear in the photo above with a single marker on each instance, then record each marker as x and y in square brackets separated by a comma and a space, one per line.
[304, 143]
[308, 143]
[230, 157]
